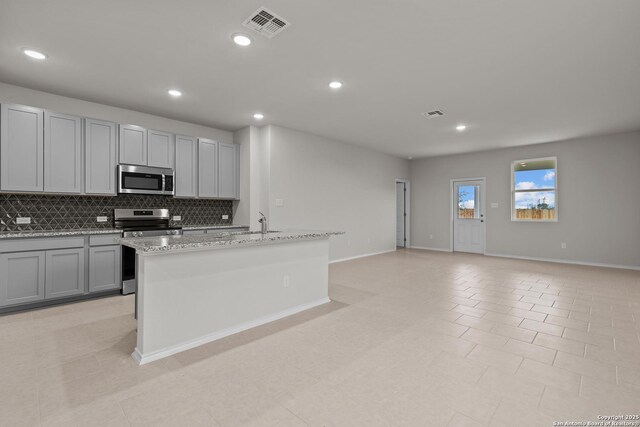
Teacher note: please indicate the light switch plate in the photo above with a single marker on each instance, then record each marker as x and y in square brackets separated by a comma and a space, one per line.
[23, 220]
[177, 218]
[279, 203]
[101, 219]
[495, 205]
[225, 216]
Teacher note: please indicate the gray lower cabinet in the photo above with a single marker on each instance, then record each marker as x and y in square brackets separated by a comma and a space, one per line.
[64, 273]
[22, 277]
[21, 150]
[228, 162]
[207, 168]
[186, 171]
[104, 268]
[62, 153]
[100, 157]
[133, 145]
[160, 149]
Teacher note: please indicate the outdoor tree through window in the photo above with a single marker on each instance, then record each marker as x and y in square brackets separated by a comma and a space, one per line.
[534, 185]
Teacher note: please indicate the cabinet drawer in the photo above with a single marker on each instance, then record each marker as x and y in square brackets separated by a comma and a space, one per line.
[104, 240]
[27, 244]
[193, 232]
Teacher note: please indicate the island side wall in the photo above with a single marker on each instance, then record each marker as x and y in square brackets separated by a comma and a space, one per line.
[187, 299]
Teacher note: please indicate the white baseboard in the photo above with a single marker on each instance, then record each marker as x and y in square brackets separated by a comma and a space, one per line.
[168, 351]
[424, 248]
[563, 261]
[361, 256]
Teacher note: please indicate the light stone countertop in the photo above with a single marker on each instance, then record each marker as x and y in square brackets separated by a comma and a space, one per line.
[58, 233]
[154, 245]
[95, 231]
[211, 227]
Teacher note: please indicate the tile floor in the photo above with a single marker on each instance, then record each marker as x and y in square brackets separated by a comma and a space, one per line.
[412, 338]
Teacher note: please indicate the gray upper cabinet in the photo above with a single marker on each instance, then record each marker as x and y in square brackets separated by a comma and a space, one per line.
[160, 149]
[186, 172]
[62, 153]
[100, 157]
[21, 148]
[64, 272]
[133, 145]
[207, 168]
[228, 161]
[22, 277]
[104, 268]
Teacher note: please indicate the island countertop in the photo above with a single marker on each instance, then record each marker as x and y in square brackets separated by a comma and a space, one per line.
[164, 244]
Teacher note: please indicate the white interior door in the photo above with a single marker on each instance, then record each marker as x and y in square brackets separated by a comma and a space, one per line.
[401, 216]
[468, 216]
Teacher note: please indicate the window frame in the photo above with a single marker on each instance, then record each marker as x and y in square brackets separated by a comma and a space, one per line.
[513, 190]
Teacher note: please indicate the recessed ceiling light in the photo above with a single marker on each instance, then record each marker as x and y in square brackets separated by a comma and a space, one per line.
[34, 54]
[410, 158]
[241, 39]
[460, 128]
[335, 84]
[174, 92]
[258, 116]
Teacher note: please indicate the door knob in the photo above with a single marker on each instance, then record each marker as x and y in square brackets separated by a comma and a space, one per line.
[482, 220]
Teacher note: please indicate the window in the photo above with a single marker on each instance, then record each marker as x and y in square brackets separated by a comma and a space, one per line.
[468, 201]
[534, 188]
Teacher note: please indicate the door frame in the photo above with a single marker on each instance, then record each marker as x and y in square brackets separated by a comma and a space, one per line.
[407, 210]
[452, 212]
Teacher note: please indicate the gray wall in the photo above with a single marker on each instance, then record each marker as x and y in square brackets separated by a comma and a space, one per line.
[330, 185]
[598, 201]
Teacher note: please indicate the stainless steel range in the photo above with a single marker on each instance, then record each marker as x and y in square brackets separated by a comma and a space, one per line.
[140, 223]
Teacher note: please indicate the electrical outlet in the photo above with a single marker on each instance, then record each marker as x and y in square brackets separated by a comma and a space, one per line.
[286, 282]
[225, 216]
[177, 218]
[431, 236]
[495, 205]
[279, 203]
[23, 220]
[101, 219]
[563, 245]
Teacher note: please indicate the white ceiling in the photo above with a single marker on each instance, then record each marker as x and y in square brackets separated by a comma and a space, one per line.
[516, 72]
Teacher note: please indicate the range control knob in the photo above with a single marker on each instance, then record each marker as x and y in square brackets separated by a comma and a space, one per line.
[175, 232]
[169, 232]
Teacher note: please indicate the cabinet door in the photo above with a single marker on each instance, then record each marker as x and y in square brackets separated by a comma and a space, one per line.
[62, 153]
[104, 268]
[64, 273]
[160, 149]
[207, 168]
[133, 145]
[21, 277]
[186, 173]
[227, 171]
[21, 148]
[100, 157]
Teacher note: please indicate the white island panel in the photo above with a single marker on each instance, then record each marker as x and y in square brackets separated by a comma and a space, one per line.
[186, 299]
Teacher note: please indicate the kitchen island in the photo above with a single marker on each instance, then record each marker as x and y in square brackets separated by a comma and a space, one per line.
[192, 290]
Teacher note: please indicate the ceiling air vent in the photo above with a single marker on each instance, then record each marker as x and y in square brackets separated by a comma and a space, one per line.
[433, 114]
[266, 22]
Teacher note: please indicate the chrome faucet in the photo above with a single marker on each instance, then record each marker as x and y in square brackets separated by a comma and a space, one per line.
[263, 223]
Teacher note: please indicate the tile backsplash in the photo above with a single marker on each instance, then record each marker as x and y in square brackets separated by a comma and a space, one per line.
[49, 212]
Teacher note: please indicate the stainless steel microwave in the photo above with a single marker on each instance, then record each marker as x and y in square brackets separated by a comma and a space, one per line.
[145, 180]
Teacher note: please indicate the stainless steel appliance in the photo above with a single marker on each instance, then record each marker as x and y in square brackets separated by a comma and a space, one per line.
[145, 180]
[140, 223]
